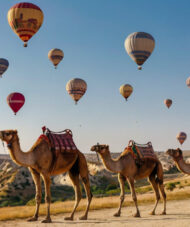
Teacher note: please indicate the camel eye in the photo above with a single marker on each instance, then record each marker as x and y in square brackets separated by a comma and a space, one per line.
[7, 133]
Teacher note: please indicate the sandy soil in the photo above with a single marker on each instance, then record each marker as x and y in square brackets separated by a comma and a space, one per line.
[178, 214]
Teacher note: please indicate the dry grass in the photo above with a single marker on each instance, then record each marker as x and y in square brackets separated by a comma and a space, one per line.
[9, 213]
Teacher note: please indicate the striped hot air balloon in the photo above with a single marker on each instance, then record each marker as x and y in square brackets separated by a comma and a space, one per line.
[4, 64]
[181, 137]
[76, 88]
[139, 46]
[126, 90]
[25, 19]
[15, 101]
[55, 56]
[168, 102]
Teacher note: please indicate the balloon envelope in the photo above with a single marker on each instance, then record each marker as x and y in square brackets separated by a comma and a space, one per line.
[76, 88]
[168, 102]
[188, 82]
[181, 137]
[15, 101]
[126, 90]
[25, 19]
[139, 46]
[4, 64]
[55, 56]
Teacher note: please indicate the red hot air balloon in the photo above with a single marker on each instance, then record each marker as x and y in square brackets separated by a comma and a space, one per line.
[181, 137]
[15, 101]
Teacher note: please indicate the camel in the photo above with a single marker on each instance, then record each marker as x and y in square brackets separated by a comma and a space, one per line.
[177, 156]
[39, 160]
[127, 169]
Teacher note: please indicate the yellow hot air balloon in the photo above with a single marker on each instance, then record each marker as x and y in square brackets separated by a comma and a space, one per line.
[76, 88]
[181, 137]
[55, 56]
[25, 20]
[139, 46]
[168, 102]
[126, 90]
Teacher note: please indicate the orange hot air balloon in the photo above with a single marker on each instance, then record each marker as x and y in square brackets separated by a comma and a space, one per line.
[181, 137]
[25, 19]
[168, 102]
[55, 56]
[126, 90]
[188, 82]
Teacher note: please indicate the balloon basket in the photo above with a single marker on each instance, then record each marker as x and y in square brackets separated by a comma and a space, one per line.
[25, 45]
[140, 68]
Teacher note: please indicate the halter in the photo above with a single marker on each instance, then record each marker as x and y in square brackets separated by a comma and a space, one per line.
[98, 146]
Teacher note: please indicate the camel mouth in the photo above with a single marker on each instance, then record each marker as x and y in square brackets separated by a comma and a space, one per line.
[169, 152]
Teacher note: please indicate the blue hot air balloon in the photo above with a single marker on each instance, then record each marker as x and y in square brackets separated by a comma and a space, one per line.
[4, 64]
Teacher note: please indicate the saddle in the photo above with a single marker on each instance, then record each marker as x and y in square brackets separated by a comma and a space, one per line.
[141, 152]
[60, 142]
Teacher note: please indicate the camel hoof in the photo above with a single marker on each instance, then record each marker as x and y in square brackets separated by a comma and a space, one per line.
[163, 213]
[47, 220]
[137, 215]
[68, 219]
[116, 215]
[152, 213]
[83, 218]
[32, 219]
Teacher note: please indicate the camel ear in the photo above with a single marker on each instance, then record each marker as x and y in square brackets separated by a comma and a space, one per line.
[107, 146]
[15, 131]
[179, 150]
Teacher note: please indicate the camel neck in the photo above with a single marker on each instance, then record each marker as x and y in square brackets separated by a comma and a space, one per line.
[110, 164]
[184, 167]
[18, 156]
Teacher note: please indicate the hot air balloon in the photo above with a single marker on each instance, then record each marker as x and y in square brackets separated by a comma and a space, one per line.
[126, 90]
[139, 46]
[188, 82]
[181, 137]
[15, 101]
[55, 55]
[168, 102]
[25, 19]
[76, 88]
[4, 64]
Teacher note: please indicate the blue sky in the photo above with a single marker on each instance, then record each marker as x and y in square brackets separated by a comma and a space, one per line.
[92, 35]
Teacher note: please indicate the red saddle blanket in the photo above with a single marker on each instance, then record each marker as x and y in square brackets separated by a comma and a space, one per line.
[142, 151]
[60, 141]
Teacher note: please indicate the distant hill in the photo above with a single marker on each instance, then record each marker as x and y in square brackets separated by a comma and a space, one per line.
[17, 187]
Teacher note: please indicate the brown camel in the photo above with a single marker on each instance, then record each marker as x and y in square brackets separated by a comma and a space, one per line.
[177, 156]
[127, 169]
[39, 160]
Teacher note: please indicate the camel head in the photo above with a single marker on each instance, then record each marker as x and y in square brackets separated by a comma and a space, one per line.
[176, 154]
[100, 148]
[8, 135]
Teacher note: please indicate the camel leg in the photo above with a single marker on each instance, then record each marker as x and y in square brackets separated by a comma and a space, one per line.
[122, 180]
[134, 197]
[47, 183]
[75, 180]
[36, 178]
[159, 181]
[152, 180]
[86, 184]
[161, 186]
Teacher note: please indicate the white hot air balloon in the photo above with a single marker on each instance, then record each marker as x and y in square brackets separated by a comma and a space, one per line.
[76, 88]
[139, 46]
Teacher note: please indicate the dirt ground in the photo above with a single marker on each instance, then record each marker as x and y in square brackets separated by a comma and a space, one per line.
[178, 214]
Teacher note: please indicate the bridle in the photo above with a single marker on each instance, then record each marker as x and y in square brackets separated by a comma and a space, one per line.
[96, 150]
